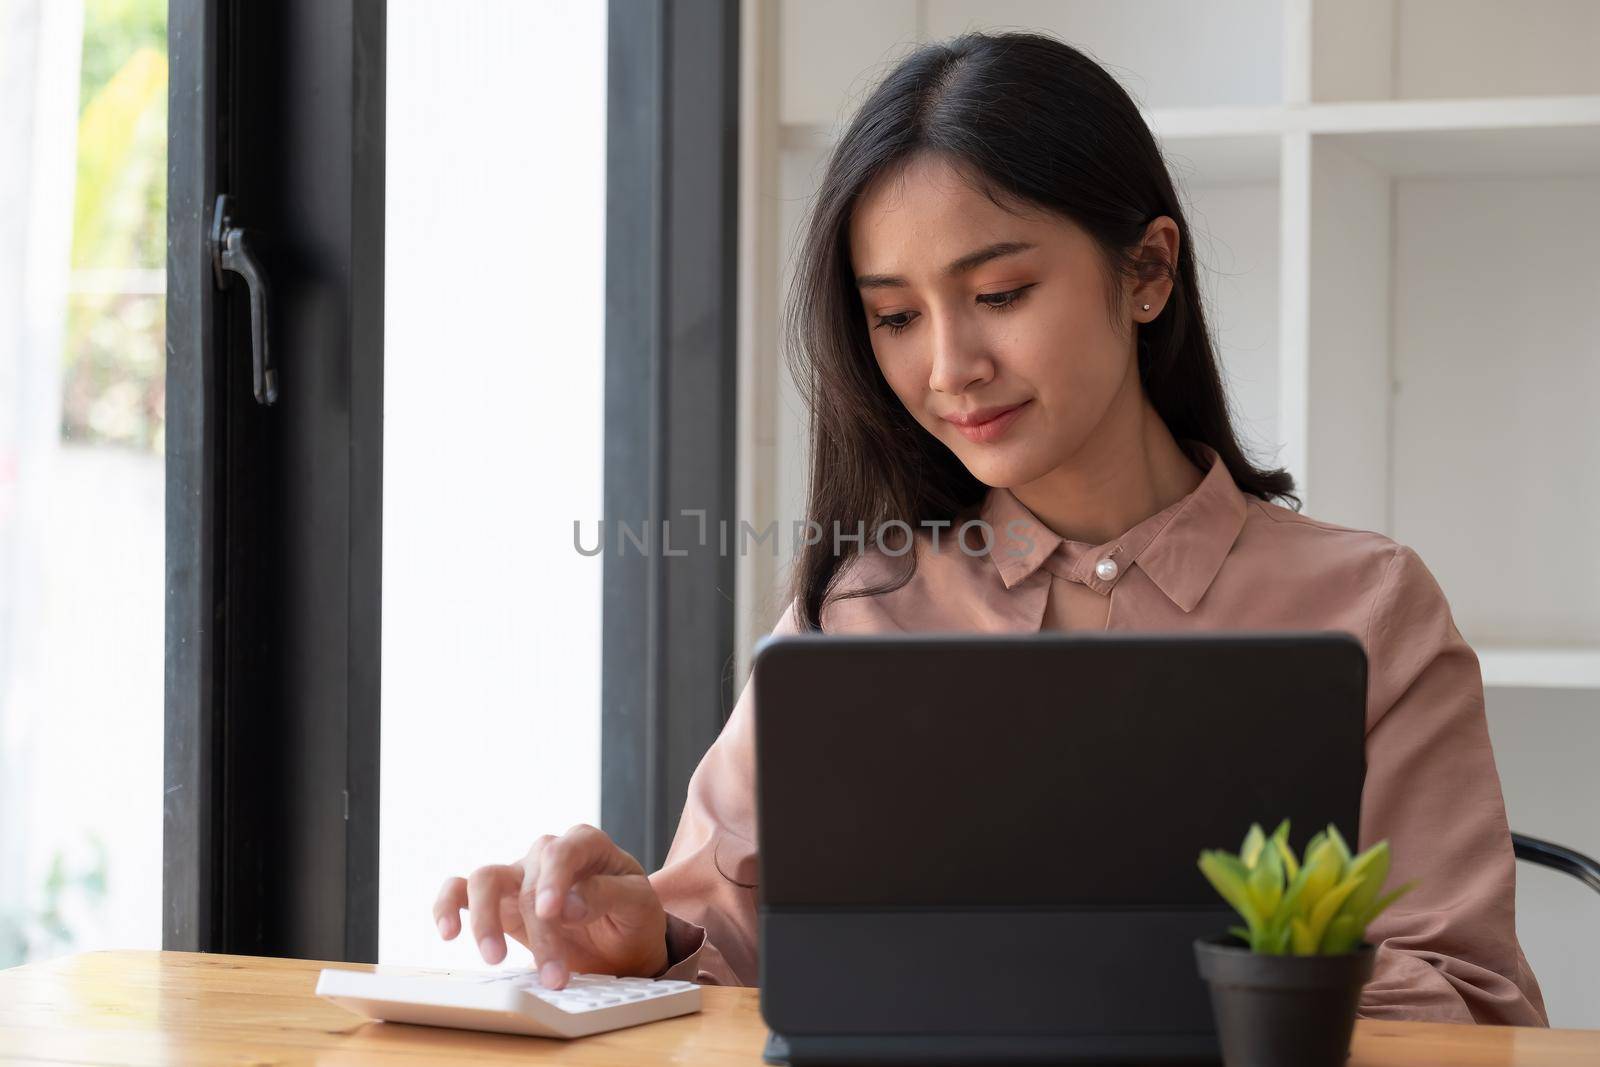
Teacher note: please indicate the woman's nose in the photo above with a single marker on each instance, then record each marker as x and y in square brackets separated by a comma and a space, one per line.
[959, 359]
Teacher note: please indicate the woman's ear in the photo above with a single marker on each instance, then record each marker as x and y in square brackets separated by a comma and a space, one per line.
[1158, 267]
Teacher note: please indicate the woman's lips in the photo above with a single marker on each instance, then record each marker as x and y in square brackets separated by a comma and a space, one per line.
[988, 425]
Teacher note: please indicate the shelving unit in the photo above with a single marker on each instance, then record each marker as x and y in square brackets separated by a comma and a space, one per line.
[1396, 207]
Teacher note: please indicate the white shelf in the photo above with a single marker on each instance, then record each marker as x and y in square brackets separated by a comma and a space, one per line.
[1422, 116]
[1568, 125]
[1540, 668]
[1216, 160]
[1545, 136]
[1403, 138]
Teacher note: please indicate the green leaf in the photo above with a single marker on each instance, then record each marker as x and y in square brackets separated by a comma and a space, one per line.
[1229, 877]
[1344, 933]
[1323, 868]
[1304, 943]
[1280, 841]
[1338, 841]
[1266, 884]
[1289, 907]
[1286, 855]
[1372, 868]
[1250, 851]
[1241, 933]
[1329, 905]
[1313, 846]
[1322, 914]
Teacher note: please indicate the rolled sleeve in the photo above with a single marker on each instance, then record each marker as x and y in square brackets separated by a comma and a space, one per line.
[1448, 950]
[685, 943]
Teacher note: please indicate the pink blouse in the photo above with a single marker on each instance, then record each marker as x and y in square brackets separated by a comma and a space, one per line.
[1218, 559]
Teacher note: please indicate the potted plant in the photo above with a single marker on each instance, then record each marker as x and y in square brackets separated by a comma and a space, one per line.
[1284, 987]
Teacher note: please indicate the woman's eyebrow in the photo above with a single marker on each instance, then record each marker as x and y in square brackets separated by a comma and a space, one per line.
[967, 262]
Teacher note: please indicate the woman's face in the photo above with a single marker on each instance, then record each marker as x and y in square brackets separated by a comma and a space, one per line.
[991, 328]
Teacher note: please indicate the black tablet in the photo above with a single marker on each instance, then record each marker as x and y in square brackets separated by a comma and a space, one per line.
[982, 847]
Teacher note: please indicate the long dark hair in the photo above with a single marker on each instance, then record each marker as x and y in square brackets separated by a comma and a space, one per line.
[1030, 120]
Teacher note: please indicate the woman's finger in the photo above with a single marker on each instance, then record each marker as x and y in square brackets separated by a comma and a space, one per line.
[511, 918]
[544, 936]
[447, 907]
[485, 887]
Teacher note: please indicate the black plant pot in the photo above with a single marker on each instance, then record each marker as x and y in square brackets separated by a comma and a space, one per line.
[1282, 1011]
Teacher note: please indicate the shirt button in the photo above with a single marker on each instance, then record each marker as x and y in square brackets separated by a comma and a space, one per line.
[1106, 569]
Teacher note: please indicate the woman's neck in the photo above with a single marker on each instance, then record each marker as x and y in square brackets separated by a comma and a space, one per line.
[1130, 468]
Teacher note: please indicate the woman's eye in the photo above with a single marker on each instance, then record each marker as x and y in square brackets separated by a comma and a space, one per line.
[1004, 301]
[887, 321]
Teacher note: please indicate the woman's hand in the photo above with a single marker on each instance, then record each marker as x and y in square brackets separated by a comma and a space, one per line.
[578, 902]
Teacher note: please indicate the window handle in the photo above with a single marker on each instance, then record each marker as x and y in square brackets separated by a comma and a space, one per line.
[231, 251]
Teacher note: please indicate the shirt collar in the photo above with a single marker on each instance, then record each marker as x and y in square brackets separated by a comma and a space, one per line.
[1181, 553]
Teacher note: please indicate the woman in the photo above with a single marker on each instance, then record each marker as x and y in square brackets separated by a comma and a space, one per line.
[996, 322]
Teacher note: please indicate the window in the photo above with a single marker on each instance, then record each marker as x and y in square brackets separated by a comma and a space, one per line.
[450, 331]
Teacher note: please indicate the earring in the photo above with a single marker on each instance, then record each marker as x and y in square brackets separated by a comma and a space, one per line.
[1147, 307]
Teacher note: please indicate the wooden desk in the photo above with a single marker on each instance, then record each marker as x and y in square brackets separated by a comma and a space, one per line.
[182, 1007]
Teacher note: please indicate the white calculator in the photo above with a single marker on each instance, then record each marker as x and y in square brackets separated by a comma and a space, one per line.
[507, 1001]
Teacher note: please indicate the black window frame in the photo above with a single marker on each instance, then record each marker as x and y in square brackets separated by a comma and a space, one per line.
[671, 406]
[274, 539]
